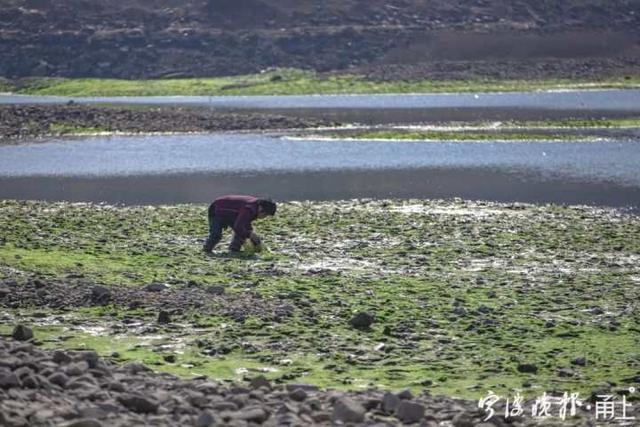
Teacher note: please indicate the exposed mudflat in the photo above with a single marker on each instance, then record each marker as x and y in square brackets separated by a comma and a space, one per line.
[452, 298]
[18, 122]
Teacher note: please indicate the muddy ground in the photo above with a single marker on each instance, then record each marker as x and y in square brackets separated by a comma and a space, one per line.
[450, 298]
[18, 122]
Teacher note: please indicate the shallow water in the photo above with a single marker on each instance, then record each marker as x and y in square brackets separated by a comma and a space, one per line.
[196, 168]
[226, 153]
[621, 100]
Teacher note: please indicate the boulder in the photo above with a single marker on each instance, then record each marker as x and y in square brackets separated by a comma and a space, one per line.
[346, 410]
[362, 320]
[22, 333]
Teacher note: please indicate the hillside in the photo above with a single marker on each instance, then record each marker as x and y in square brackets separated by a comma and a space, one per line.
[386, 39]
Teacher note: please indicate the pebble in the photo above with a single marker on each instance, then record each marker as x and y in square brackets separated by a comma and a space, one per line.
[527, 368]
[164, 317]
[362, 320]
[579, 361]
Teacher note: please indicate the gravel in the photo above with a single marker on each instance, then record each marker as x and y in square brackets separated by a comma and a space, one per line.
[36, 391]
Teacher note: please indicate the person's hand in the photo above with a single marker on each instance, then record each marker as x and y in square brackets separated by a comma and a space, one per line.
[255, 239]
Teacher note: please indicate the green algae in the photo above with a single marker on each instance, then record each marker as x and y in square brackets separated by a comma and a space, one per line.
[460, 136]
[296, 82]
[462, 292]
[71, 129]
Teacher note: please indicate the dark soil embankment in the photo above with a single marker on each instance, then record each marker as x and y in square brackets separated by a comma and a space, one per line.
[20, 121]
[79, 38]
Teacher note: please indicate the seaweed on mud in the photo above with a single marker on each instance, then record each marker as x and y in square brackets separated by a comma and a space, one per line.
[463, 294]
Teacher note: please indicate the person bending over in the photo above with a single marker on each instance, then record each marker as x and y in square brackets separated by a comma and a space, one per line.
[237, 212]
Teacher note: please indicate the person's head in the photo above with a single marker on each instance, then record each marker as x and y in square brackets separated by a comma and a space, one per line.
[266, 208]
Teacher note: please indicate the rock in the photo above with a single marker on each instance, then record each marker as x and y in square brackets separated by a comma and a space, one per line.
[460, 311]
[4, 292]
[82, 382]
[371, 403]
[484, 309]
[465, 420]
[305, 387]
[239, 390]
[405, 395]
[216, 290]
[565, 372]
[9, 380]
[299, 395]
[77, 368]
[134, 368]
[59, 379]
[169, 358]
[409, 412]
[61, 358]
[260, 381]
[208, 388]
[254, 414]
[100, 295]
[362, 320]
[527, 368]
[390, 402]
[224, 406]
[87, 422]
[22, 333]
[205, 419]
[155, 287]
[347, 410]
[139, 404]
[115, 386]
[30, 381]
[164, 317]
[91, 357]
[579, 361]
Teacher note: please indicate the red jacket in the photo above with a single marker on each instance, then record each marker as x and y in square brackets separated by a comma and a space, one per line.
[236, 212]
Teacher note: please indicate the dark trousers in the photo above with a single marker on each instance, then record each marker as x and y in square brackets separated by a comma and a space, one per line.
[215, 230]
[215, 234]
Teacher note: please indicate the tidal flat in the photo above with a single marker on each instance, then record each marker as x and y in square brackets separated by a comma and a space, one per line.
[287, 81]
[465, 297]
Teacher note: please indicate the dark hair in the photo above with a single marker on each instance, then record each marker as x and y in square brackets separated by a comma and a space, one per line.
[268, 206]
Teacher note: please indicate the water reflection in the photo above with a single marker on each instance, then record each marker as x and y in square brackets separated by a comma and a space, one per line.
[469, 183]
